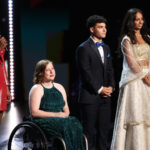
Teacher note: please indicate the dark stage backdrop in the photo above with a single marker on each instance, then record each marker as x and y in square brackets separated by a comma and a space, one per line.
[52, 30]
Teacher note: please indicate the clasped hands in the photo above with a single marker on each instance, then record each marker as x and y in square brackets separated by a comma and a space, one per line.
[62, 114]
[146, 79]
[106, 91]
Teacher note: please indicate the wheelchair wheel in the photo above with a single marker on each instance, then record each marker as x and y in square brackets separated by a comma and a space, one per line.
[59, 143]
[86, 141]
[27, 136]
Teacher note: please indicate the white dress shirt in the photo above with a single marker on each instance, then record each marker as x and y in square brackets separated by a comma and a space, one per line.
[101, 52]
[100, 49]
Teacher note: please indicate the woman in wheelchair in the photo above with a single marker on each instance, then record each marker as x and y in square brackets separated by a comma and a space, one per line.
[49, 108]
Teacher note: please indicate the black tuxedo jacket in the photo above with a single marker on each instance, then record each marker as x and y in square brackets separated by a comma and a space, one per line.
[93, 73]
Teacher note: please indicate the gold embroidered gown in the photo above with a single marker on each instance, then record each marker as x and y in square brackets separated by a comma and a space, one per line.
[132, 122]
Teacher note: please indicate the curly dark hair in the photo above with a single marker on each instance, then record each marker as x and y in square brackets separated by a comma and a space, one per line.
[40, 70]
[92, 20]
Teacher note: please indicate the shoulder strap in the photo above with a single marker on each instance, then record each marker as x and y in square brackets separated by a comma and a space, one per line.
[42, 86]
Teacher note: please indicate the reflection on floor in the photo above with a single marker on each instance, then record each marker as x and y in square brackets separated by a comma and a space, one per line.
[11, 118]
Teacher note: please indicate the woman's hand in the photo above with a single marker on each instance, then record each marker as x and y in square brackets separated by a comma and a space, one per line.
[9, 97]
[3, 43]
[62, 114]
[146, 79]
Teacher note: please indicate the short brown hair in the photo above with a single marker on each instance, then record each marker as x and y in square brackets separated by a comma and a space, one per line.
[40, 70]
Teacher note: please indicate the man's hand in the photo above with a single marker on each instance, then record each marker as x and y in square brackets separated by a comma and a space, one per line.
[3, 43]
[106, 91]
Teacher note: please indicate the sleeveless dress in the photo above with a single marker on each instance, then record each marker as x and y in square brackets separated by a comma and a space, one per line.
[3, 82]
[68, 128]
[132, 122]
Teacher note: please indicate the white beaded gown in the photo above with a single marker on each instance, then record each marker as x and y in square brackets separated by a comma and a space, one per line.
[132, 121]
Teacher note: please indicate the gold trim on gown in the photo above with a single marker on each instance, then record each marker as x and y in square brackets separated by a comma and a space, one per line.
[132, 121]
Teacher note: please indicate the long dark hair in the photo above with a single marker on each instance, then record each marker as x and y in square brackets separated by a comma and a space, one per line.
[128, 27]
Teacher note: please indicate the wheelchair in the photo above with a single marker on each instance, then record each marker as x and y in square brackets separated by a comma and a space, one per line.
[29, 136]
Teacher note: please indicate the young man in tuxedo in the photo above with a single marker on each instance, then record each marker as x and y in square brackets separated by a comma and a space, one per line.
[96, 83]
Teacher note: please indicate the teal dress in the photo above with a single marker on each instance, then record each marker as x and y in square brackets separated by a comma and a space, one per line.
[68, 128]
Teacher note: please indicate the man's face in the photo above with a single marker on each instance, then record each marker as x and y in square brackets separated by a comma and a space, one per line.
[99, 30]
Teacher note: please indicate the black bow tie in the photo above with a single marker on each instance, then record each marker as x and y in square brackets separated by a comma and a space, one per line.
[98, 44]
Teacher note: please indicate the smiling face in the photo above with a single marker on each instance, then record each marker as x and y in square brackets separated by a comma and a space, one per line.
[49, 74]
[139, 21]
[99, 31]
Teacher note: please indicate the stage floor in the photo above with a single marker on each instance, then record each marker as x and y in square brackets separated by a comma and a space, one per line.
[12, 117]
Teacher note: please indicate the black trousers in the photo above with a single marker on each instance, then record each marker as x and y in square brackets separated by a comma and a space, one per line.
[96, 121]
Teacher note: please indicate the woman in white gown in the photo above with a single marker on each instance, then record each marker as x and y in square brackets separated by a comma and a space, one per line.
[132, 122]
